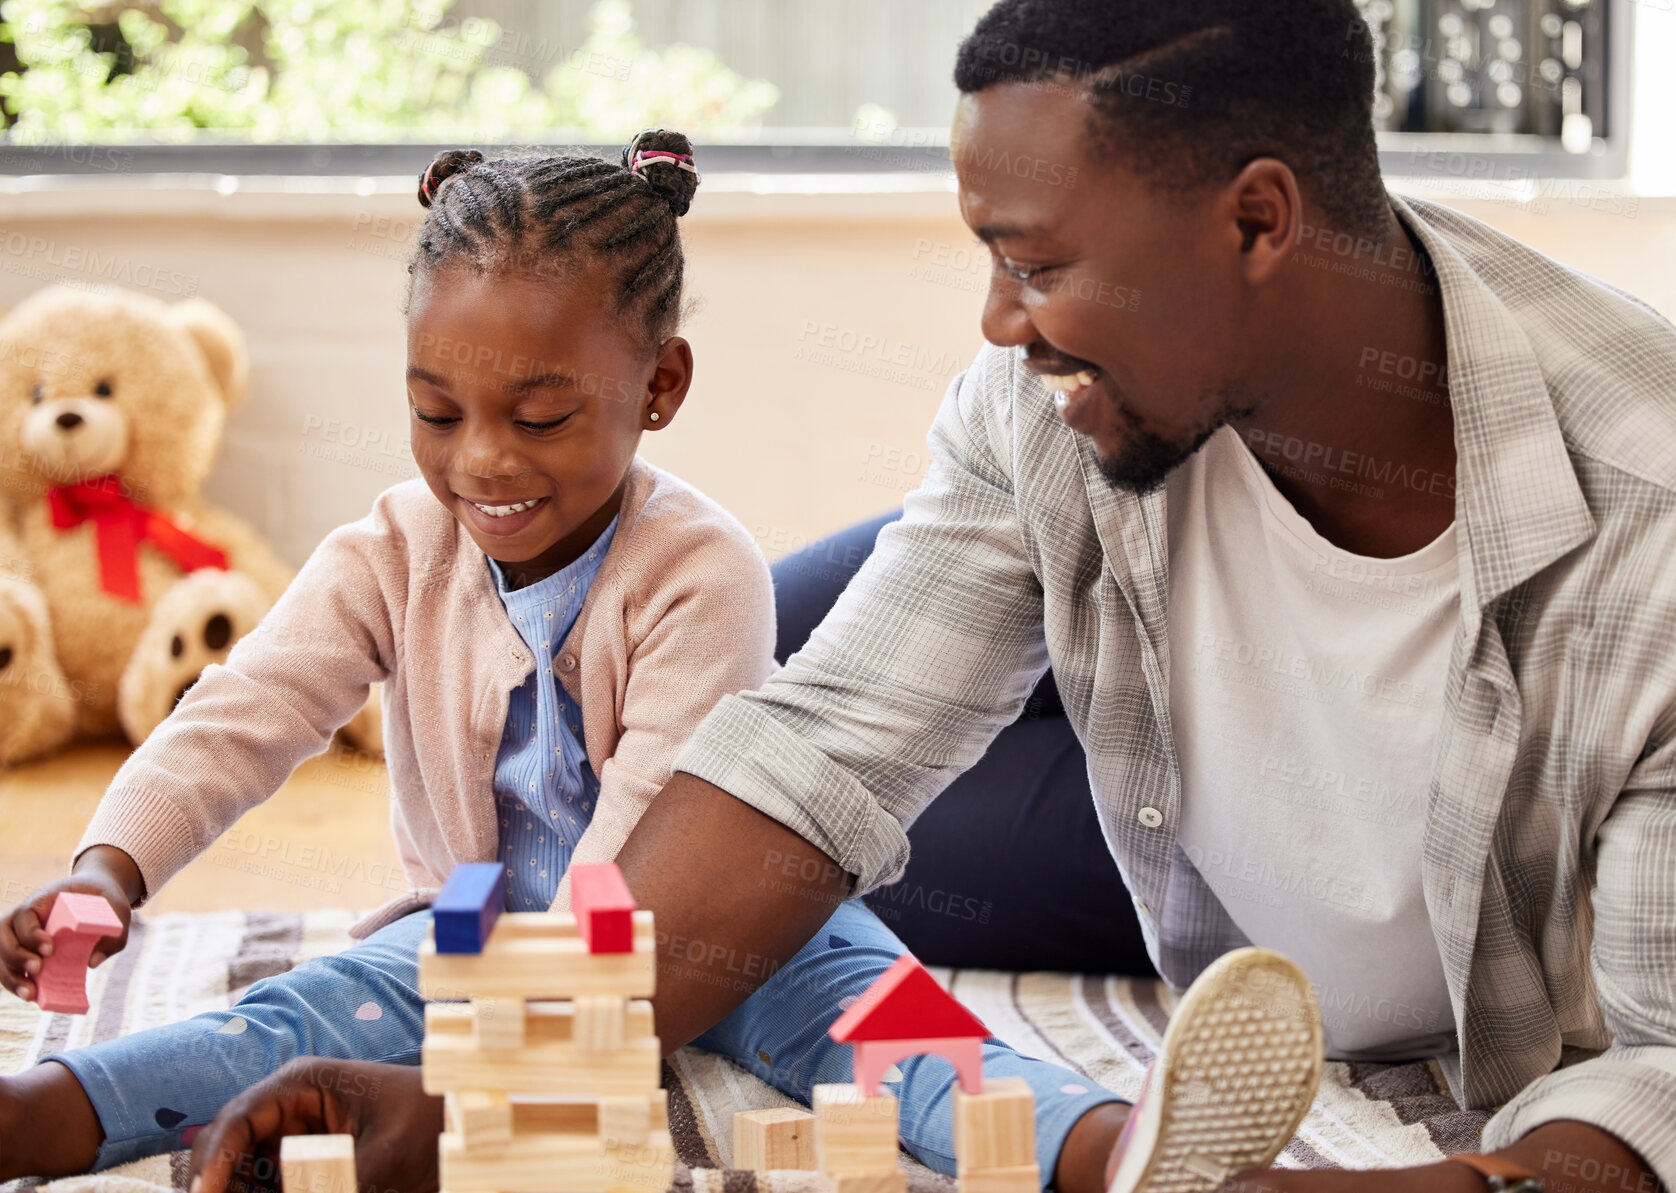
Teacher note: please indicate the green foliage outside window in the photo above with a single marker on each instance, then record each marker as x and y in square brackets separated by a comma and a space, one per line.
[349, 71]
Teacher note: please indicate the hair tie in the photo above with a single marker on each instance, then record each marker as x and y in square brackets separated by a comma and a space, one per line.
[426, 185]
[644, 156]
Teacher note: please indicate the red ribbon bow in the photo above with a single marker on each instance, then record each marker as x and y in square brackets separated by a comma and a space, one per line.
[121, 526]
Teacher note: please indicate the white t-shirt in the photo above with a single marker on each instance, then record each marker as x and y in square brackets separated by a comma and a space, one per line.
[1306, 690]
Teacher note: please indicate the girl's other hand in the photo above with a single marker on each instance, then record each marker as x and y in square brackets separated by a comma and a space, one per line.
[103, 870]
[394, 1122]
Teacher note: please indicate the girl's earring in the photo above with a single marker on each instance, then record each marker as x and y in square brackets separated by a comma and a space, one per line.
[654, 416]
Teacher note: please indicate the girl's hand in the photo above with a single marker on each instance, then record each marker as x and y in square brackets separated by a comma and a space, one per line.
[394, 1122]
[103, 870]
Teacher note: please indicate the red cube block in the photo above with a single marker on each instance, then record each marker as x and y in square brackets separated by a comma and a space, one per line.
[603, 906]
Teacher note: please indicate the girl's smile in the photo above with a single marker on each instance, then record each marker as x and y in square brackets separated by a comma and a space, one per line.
[503, 518]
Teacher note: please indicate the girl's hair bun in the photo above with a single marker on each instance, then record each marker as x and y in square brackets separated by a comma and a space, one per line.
[443, 167]
[665, 160]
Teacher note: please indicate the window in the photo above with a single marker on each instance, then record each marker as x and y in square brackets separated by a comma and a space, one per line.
[341, 86]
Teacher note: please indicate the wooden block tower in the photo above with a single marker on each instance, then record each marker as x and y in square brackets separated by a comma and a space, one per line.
[855, 1126]
[906, 1013]
[549, 1067]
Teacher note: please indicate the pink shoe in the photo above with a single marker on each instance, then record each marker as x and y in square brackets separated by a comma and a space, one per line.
[1237, 1074]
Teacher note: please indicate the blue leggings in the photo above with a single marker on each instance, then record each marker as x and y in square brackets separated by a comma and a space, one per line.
[364, 1004]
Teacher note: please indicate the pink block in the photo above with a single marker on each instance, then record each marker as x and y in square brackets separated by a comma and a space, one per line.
[872, 1059]
[77, 924]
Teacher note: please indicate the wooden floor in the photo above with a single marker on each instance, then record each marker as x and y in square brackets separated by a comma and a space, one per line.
[323, 840]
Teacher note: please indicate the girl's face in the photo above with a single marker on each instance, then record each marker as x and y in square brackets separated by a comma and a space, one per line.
[528, 400]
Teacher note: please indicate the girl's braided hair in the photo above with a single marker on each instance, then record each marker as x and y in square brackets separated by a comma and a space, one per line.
[535, 216]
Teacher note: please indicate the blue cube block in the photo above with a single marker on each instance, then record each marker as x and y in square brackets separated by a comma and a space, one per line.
[469, 904]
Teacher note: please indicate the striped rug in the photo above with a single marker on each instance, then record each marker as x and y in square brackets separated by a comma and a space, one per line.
[1105, 1029]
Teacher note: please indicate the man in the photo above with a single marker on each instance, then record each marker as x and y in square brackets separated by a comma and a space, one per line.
[1347, 525]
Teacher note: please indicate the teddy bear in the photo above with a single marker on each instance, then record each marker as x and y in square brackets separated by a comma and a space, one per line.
[124, 584]
[29, 723]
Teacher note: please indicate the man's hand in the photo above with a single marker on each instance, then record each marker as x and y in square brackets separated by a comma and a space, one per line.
[394, 1122]
[1433, 1178]
[1570, 1157]
[103, 870]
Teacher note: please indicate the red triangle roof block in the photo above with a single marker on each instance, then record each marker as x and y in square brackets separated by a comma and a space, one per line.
[905, 1003]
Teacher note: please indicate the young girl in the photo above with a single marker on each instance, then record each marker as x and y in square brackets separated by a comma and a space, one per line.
[550, 617]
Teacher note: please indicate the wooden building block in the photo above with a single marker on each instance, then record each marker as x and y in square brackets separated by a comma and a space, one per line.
[317, 1163]
[77, 923]
[498, 1022]
[601, 1022]
[559, 1162]
[545, 1021]
[782, 1137]
[481, 1118]
[633, 1119]
[894, 1181]
[603, 905]
[1017, 1178]
[996, 1128]
[546, 1118]
[854, 1133]
[465, 910]
[540, 955]
[558, 1069]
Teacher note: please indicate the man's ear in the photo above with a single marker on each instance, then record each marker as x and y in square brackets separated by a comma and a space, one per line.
[221, 342]
[1266, 212]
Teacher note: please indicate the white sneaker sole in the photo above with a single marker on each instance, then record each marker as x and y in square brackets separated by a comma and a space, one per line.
[1238, 1071]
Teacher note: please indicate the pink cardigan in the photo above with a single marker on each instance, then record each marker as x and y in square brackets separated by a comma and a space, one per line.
[681, 614]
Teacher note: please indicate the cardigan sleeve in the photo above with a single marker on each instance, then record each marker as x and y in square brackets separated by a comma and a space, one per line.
[708, 632]
[285, 688]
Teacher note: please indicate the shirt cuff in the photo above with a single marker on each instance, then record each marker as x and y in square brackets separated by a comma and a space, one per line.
[1631, 1099]
[147, 827]
[742, 749]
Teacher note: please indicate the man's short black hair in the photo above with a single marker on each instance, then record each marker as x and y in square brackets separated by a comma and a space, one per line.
[1189, 91]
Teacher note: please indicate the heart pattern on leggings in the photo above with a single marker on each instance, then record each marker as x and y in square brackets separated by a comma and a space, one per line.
[369, 1011]
[168, 1119]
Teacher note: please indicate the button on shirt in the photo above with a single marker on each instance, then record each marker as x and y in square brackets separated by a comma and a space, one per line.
[545, 788]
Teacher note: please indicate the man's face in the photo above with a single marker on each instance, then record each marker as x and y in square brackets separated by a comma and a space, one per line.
[1125, 299]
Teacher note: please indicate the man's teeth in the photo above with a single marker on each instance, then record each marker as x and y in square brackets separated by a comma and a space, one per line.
[502, 511]
[1068, 383]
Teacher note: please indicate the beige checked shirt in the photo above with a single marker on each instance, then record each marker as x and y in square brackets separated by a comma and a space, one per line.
[1549, 856]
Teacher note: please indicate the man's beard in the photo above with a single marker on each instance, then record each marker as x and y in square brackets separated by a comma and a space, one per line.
[1147, 458]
